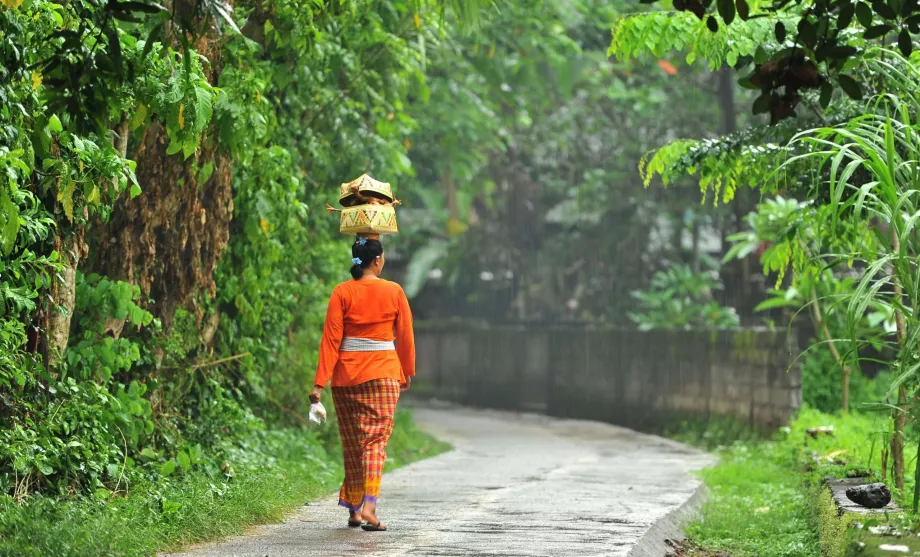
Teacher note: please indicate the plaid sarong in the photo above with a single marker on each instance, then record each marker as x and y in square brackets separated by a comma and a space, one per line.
[365, 416]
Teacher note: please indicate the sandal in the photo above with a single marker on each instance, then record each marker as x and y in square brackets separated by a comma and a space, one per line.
[354, 524]
[372, 528]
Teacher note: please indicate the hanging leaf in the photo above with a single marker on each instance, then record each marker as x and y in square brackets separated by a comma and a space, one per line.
[762, 104]
[65, 194]
[10, 213]
[206, 171]
[153, 37]
[224, 12]
[883, 9]
[780, 32]
[727, 11]
[877, 31]
[839, 52]
[827, 91]
[203, 106]
[746, 83]
[92, 196]
[184, 461]
[151, 8]
[712, 24]
[168, 467]
[111, 34]
[905, 43]
[54, 124]
[140, 116]
[850, 86]
[808, 32]
[186, 55]
[847, 11]
[913, 24]
[864, 14]
[744, 10]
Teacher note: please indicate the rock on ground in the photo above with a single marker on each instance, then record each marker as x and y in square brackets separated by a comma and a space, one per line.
[871, 496]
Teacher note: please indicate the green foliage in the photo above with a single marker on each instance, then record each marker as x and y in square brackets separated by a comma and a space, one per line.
[715, 433]
[720, 170]
[797, 50]
[272, 472]
[169, 424]
[821, 389]
[871, 177]
[752, 158]
[317, 95]
[525, 166]
[764, 494]
[756, 506]
[661, 33]
[681, 299]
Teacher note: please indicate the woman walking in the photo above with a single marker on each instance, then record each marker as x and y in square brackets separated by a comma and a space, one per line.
[368, 351]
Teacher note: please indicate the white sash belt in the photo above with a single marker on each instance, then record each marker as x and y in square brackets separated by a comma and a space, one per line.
[351, 344]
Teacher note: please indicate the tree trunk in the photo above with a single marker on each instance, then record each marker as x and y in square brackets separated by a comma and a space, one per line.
[63, 295]
[72, 249]
[695, 244]
[741, 203]
[727, 100]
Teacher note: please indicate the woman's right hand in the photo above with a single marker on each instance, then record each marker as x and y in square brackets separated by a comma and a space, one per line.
[316, 394]
[405, 386]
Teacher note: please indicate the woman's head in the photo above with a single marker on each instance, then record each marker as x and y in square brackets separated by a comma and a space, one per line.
[366, 255]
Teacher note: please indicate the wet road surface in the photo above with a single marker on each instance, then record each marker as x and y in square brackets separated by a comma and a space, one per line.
[515, 485]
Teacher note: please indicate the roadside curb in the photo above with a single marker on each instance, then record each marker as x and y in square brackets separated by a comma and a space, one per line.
[669, 527]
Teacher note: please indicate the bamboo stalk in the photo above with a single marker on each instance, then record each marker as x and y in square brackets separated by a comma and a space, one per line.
[900, 419]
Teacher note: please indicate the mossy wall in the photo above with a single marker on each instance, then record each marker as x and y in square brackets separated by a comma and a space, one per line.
[638, 379]
[832, 527]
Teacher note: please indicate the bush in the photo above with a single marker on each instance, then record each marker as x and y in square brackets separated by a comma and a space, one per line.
[821, 388]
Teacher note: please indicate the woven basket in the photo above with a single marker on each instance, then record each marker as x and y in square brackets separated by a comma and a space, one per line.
[368, 219]
[365, 185]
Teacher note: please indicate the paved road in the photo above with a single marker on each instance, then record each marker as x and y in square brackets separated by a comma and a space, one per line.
[514, 486]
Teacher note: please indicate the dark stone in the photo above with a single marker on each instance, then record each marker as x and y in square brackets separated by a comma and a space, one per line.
[871, 496]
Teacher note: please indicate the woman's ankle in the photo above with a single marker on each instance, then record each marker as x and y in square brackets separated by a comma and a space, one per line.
[369, 511]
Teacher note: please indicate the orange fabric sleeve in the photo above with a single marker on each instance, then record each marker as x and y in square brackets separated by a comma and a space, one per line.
[405, 337]
[333, 330]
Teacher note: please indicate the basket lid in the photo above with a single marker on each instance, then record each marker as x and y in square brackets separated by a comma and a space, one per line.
[365, 183]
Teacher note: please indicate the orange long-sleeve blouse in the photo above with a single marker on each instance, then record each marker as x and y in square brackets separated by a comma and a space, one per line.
[366, 309]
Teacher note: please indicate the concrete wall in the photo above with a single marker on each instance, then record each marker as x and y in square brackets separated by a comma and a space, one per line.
[636, 379]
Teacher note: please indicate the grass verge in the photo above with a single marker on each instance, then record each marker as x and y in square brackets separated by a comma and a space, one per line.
[765, 494]
[277, 472]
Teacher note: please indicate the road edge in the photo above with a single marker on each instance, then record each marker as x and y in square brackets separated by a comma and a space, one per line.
[670, 526]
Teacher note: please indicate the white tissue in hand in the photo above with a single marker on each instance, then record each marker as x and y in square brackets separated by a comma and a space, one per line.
[317, 413]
